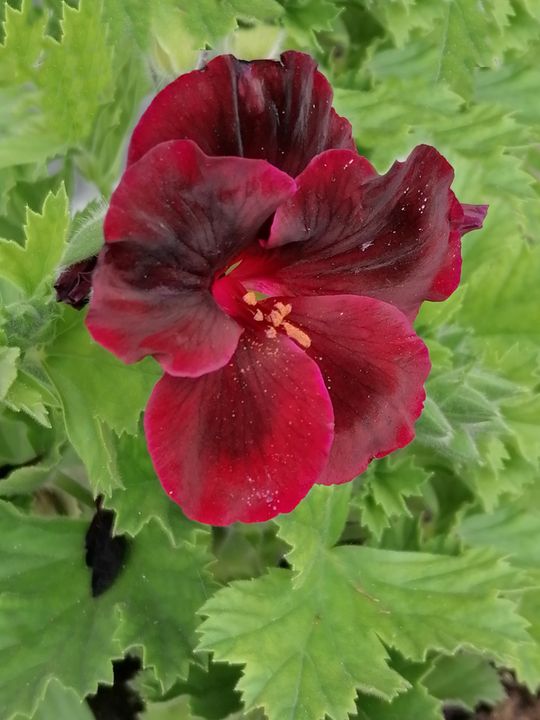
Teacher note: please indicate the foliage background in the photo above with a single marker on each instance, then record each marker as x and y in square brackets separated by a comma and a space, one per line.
[383, 599]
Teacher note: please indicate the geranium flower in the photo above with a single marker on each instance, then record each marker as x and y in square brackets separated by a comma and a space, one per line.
[275, 287]
[74, 283]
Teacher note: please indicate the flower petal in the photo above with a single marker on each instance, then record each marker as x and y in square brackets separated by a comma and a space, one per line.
[74, 283]
[277, 111]
[246, 442]
[473, 217]
[177, 218]
[374, 367]
[395, 237]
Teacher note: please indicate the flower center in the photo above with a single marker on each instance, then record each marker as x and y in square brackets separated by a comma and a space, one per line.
[276, 319]
[252, 308]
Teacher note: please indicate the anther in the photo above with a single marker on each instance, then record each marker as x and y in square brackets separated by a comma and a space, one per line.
[279, 313]
[250, 298]
[295, 333]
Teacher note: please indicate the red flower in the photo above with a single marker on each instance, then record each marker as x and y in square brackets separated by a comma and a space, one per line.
[74, 283]
[262, 398]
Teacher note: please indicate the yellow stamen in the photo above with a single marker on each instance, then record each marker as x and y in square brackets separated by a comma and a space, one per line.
[250, 298]
[283, 309]
[279, 313]
[295, 333]
[258, 315]
[271, 332]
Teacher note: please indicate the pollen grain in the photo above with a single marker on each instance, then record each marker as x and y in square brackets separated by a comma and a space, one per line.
[295, 333]
[278, 314]
[250, 298]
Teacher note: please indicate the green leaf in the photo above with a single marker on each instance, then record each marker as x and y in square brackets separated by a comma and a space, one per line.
[465, 38]
[85, 233]
[211, 20]
[524, 419]
[98, 394]
[387, 118]
[528, 665]
[102, 156]
[50, 624]
[159, 594]
[8, 368]
[257, 9]
[15, 444]
[401, 17]
[32, 267]
[356, 601]
[386, 485]
[508, 288]
[24, 137]
[481, 130]
[31, 475]
[23, 30]
[512, 86]
[284, 635]
[52, 627]
[246, 550]
[142, 497]
[462, 406]
[60, 703]
[211, 690]
[76, 76]
[28, 395]
[303, 18]
[413, 703]
[176, 709]
[113, 391]
[512, 530]
[130, 19]
[316, 525]
[464, 679]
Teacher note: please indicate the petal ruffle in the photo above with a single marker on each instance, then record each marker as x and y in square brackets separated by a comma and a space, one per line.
[176, 219]
[246, 442]
[276, 111]
[374, 367]
[74, 283]
[473, 217]
[394, 237]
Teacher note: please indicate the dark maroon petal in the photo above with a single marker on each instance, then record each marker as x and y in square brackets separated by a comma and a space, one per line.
[473, 217]
[246, 442]
[276, 111]
[392, 237]
[328, 204]
[374, 367]
[463, 219]
[74, 283]
[176, 219]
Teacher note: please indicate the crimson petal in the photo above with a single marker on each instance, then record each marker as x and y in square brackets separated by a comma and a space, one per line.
[374, 368]
[277, 111]
[394, 237]
[177, 218]
[473, 217]
[246, 442]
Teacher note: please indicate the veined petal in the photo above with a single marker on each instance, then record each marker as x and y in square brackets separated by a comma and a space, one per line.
[176, 219]
[473, 216]
[394, 237]
[374, 367]
[74, 283]
[463, 219]
[276, 111]
[246, 442]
